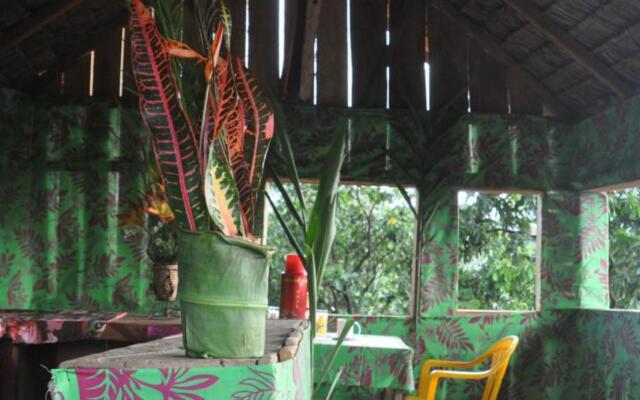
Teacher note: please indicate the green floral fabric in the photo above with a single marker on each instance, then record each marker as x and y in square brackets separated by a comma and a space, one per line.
[378, 365]
[67, 170]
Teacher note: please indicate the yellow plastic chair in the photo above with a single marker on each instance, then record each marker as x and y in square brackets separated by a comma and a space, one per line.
[500, 354]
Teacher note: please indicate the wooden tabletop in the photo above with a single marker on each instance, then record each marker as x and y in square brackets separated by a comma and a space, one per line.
[169, 352]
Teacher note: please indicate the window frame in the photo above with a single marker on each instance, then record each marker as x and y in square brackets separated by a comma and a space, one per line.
[605, 190]
[412, 310]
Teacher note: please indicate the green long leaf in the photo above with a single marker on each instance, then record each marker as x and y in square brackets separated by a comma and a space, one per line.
[334, 353]
[322, 225]
[407, 198]
[334, 383]
[290, 206]
[287, 232]
[288, 159]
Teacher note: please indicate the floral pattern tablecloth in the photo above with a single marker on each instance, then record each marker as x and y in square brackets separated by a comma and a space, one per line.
[370, 361]
[35, 327]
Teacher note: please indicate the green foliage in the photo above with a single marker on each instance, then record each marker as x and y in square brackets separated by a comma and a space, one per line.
[162, 247]
[369, 268]
[624, 248]
[497, 251]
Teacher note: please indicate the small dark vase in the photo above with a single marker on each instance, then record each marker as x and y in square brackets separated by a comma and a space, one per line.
[165, 282]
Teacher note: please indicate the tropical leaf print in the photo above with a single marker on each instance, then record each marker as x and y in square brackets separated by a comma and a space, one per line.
[124, 296]
[451, 334]
[94, 383]
[6, 261]
[172, 135]
[16, 296]
[436, 289]
[31, 243]
[261, 386]
[180, 384]
[629, 338]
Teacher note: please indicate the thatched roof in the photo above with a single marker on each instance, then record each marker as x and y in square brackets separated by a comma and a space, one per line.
[582, 54]
[609, 29]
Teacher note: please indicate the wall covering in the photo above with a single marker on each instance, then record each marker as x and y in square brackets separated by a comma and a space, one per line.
[68, 169]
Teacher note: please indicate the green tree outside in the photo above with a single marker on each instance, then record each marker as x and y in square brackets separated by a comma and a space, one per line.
[369, 271]
[497, 251]
[624, 248]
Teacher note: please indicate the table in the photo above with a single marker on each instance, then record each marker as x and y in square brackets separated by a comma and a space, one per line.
[40, 327]
[160, 370]
[370, 361]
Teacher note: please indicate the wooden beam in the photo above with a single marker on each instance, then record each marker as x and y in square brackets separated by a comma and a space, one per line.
[406, 82]
[491, 46]
[30, 26]
[295, 13]
[577, 50]
[368, 52]
[332, 54]
[312, 21]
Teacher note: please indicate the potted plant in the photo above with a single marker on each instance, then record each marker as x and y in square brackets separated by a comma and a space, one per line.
[212, 174]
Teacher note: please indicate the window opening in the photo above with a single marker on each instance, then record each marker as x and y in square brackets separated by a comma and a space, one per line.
[624, 248]
[369, 270]
[497, 251]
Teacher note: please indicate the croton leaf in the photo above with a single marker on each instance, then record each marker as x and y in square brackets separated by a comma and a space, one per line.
[259, 120]
[235, 138]
[222, 196]
[172, 134]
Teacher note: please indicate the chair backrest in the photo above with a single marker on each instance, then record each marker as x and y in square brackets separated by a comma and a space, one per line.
[500, 354]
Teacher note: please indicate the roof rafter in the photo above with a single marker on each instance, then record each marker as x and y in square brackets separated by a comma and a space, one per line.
[577, 50]
[491, 46]
[30, 26]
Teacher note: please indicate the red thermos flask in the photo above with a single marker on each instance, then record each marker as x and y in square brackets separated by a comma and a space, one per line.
[294, 302]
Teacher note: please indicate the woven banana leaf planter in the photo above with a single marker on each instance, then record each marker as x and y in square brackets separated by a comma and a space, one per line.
[223, 288]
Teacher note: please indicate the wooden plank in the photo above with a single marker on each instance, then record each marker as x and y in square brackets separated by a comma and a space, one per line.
[107, 64]
[489, 44]
[332, 54]
[41, 18]
[368, 52]
[312, 21]
[76, 78]
[488, 83]
[294, 15]
[237, 8]
[521, 99]
[577, 50]
[128, 83]
[408, 29]
[263, 42]
[448, 64]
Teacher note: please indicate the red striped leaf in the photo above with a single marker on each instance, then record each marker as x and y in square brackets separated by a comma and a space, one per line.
[235, 137]
[259, 120]
[172, 135]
